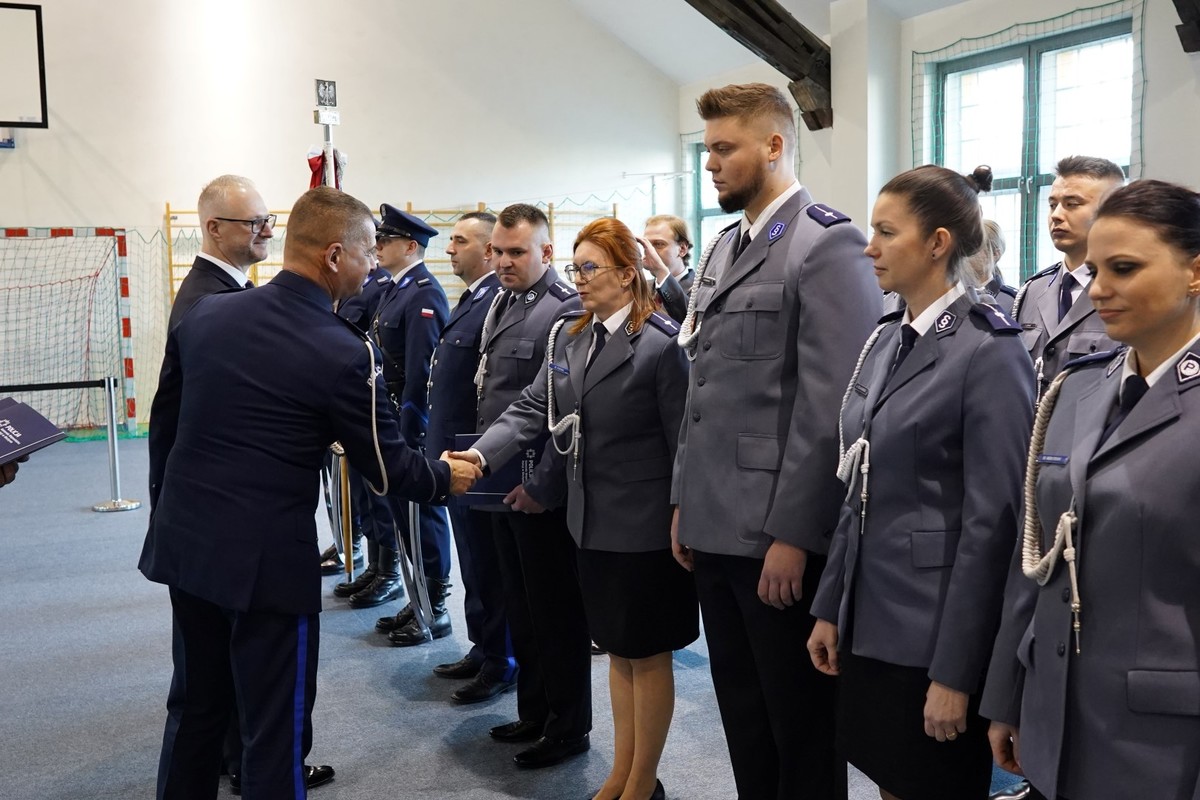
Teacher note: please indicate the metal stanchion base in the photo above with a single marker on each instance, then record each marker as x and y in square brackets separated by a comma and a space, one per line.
[117, 505]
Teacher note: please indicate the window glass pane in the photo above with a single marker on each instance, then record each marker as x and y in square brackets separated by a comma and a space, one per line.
[984, 115]
[1085, 102]
[1005, 208]
[1046, 254]
[709, 226]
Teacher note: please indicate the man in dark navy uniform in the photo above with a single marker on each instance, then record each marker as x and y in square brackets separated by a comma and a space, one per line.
[406, 327]
[490, 663]
[254, 388]
[235, 227]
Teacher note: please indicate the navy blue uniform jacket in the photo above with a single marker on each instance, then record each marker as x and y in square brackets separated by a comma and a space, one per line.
[254, 388]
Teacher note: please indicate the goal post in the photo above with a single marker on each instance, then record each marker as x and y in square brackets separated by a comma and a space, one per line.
[65, 319]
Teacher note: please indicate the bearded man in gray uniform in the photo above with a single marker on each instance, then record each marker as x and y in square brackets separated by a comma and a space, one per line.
[778, 314]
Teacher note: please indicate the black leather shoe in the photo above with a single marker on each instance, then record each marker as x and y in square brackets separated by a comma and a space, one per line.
[597, 650]
[519, 731]
[364, 580]
[411, 634]
[395, 621]
[313, 777]
[463, 669]
[1018, 791]
[547, 752]
[332, 564]
[659, 792]
[382, 590]
[484, 687]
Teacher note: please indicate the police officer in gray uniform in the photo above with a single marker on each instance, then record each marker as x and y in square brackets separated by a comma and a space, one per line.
[1093, 687]
[1057, 320]
[935, 424]
[778, 314]
[536, 555]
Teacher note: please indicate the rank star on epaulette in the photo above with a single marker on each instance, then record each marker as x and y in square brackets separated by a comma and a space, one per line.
[1188, 368]
[944, 321]
[531, 296]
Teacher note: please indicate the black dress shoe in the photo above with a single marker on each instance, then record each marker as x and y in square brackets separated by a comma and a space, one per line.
[332, 565]
[382, 590]
[345, 589]
[313, 777]
[1018, 791]
[519, 731]
[659, 792]
[597, 650]
[411, 634]
[463, 669]
[484, 687]
[398, 620]
[547, 751]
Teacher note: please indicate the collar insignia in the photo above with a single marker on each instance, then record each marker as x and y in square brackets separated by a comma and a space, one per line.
[531, 296]
[776, 231]
[944, 322]
[1188, 369]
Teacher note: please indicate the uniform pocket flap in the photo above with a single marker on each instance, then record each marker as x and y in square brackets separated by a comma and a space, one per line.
[756, 451]
[460, 341]
[646, 469]
[1162, 692]
[756, 297]
[934, 548]
[1085, 342]
[520, 348]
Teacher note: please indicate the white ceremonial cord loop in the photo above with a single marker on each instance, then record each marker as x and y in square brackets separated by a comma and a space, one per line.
[857, 457]
[571, 421]
[1036, 565]
[689, 330]
[1020, 298]
[488, 321]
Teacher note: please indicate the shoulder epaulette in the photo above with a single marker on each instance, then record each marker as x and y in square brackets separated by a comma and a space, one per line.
[995, 317]
[382, 279]
[891, 316]
[1008, 290]
[664, 323]
[562, 291]
[1047, 271]
[1093, 359]
[826, 216]
[424, 281]
[358, 332]
[572, 314]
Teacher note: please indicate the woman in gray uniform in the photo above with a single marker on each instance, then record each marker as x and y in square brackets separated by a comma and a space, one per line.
[1094, 687]
[612, 394]
[938, 413]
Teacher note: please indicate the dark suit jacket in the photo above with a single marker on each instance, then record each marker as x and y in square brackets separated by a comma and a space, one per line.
[631, 404]
[361, 309]
[948, 433]
[673, 294]
[1121, 718]
[452, 397]
[254, 388]
[204, 278]
[407, 323]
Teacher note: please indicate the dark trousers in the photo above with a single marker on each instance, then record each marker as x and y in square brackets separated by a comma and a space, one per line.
[381, 513]
[546, 619]
[483, 592]
[777, 710]
[268, 661]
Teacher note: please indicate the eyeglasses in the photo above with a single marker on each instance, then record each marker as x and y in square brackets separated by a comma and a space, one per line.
[583, 273]
[256, 224]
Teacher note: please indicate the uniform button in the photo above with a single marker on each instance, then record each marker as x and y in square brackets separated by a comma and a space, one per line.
[1092, 349]
[458, 341]
[1051, 350]
[696, 417]
[1062, 649]
[514, 350]
[708, 345]
[718, 306]
[1066, 595]
[749, 304]
[700, 381]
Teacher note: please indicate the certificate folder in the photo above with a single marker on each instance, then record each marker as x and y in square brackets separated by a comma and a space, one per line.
[492, 488]
[24, 431]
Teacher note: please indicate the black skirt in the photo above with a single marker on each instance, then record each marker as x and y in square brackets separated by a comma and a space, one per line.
[638, 604]
[881, 731]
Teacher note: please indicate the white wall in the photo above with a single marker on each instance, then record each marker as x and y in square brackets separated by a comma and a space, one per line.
[1171, 116]
[443, 104]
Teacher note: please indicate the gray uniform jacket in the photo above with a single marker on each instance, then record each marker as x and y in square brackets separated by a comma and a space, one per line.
[515, 350]
[1122, 717]
[780, 331]
[948, 438]
[630, 403]
[1051, 344]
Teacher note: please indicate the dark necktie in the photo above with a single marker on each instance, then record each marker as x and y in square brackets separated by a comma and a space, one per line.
[908, 337]
[601, 336]
[1064, 295]
[504, 304]
[465, 296]
[248, 285]
[742, 244]
[1134, 388]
